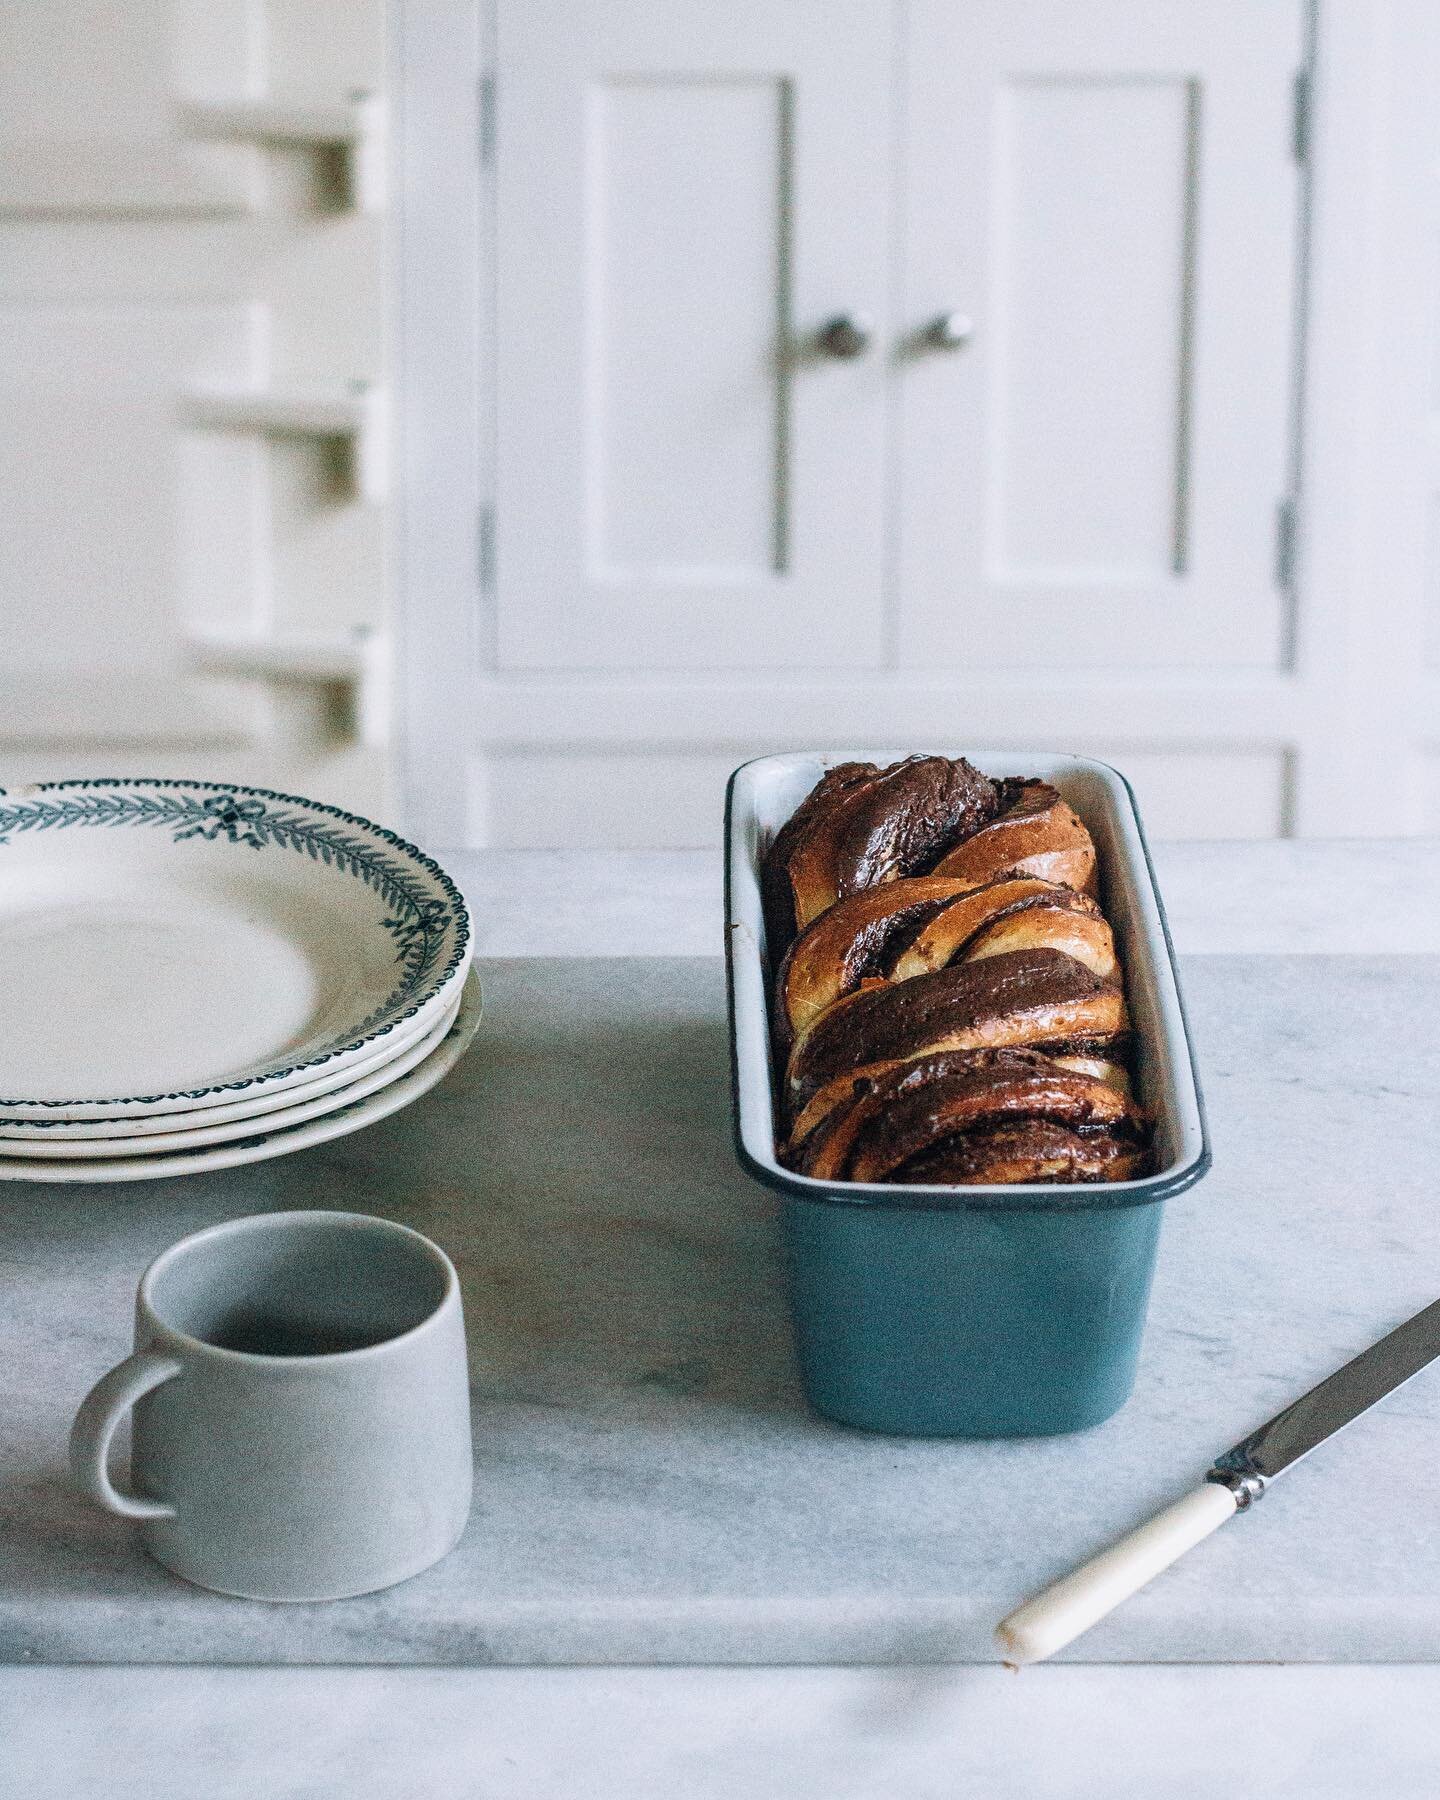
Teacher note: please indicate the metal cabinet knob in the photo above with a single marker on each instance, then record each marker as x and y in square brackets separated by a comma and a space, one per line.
[951, 331]
[846, 335]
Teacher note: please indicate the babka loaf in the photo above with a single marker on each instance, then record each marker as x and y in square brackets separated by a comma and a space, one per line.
[949, 1007]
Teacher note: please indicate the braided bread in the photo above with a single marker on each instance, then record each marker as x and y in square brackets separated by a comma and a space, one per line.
[863, 825]
[950, 1008]
[1034, 830]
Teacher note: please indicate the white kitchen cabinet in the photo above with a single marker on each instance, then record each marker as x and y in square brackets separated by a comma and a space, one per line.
[685, 195]
[1094, 475]
[1110, 194]
[1050, 499]
[1162, 490]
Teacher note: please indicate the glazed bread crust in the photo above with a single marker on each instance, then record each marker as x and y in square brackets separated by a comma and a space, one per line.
[864, 825]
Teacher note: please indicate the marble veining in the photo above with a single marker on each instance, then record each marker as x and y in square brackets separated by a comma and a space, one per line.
[649, 1485]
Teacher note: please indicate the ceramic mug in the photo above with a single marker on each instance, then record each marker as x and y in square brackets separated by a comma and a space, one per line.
[301, 1408]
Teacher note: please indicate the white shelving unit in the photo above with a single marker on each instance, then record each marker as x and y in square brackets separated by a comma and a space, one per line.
[358, 660]
[354, 127]
[354, 417]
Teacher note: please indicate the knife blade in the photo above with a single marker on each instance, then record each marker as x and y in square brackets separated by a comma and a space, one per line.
[1236, 1480]
[1332, 1404]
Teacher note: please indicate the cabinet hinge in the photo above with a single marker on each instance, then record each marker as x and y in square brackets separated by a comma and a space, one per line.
[1286, 523]
[487, 118]
[1301, 115]
[485, 554]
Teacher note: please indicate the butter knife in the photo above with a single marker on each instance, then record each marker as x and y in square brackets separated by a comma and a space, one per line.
[1235, 1482]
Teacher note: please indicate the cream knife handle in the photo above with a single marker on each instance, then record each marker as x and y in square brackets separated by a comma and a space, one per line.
[1053, 1618]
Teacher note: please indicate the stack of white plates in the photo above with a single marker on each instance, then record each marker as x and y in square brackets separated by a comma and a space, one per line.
[195, 975]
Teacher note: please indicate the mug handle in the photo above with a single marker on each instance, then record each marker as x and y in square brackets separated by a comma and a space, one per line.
[97, 1422]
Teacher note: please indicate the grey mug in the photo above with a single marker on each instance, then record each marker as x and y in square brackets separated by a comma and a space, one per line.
[300, 1394]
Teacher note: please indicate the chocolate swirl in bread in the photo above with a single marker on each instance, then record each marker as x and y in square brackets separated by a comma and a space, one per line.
[864, 825]
[963, 1109]
[914, 927]
[962, 1025]
[1035, 1151]
[1019, 999]
[1034, 831]
[856, 940]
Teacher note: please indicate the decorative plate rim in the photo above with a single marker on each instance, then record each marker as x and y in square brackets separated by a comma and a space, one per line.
[172, 1141]
[360, 1115]
[458, 919]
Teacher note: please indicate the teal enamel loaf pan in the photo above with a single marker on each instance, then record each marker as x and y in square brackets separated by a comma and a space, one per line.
[1012, 1311]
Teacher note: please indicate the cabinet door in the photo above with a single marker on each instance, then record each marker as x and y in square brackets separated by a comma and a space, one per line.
[685, 194]
[1110, 193]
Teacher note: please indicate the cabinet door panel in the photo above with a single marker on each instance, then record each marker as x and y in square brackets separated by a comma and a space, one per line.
[1111, 193]
[684, 194]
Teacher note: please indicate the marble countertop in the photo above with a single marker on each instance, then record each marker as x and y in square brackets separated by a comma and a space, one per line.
[1310, 1732]
[649, 1484]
